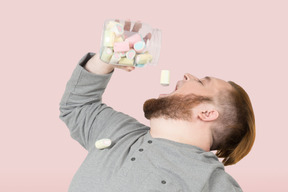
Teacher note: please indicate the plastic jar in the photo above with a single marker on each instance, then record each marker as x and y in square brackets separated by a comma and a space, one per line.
[129, 48]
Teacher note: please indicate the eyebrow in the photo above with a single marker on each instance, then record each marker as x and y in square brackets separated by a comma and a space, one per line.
[207, 78]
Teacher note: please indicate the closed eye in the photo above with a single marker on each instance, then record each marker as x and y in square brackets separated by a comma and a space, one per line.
[200, 82]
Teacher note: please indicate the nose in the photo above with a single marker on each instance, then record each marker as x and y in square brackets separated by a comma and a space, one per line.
[188, 77]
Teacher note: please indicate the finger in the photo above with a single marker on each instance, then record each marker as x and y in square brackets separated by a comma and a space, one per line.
[148, 36]
[127, 25]
[119, 66]
[126, 68]
[130, 68]
[137, 26]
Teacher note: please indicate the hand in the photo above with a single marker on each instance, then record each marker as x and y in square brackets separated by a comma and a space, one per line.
[137, 26]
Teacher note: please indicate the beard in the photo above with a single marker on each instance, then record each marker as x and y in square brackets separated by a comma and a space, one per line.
[177, 107]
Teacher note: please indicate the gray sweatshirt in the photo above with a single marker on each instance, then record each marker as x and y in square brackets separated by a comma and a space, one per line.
[135, 162]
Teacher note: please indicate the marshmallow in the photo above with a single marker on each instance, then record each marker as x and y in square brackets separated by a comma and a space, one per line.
[121, 46]
[133, 39]
[130, 54]
[111, 25]
[109, 38]
[103, 143]
[106, 54]
[143, 58]
[119, 39]
[118, 29]
[139, 46]
[115, 58]
[165, 77]
[122, 54]
[125, 61]
[139, 65]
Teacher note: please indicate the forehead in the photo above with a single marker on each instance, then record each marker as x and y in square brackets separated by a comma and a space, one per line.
[218, 84]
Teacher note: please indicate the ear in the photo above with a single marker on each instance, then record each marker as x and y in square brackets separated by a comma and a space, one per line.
[210, 115]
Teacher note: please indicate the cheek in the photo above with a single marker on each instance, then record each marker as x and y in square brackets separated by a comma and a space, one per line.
[190, 89]
[194, 89]
[185, 91]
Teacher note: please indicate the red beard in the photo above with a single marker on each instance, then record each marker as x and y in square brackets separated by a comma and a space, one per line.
[177, 107]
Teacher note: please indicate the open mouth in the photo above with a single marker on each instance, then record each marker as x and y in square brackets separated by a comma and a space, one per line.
[177, 85]
[176, 88]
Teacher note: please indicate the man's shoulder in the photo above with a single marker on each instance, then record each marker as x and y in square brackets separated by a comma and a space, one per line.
[220, 180]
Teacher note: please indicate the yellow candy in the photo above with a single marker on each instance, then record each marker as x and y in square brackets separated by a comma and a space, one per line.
[118, 39]
[111, 24]
[143, 58]
[106, 54]
[109, 38]
[125, 61]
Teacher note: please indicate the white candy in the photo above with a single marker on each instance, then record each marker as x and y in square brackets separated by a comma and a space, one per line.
[103, 143]
[165, 77]
[115, 58]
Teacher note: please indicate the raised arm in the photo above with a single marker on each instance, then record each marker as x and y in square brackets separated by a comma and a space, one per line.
[81, 107]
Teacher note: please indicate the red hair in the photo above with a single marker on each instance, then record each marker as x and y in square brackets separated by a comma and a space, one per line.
[239, 126]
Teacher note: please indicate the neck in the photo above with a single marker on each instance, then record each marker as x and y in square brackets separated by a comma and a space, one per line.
[192, 133]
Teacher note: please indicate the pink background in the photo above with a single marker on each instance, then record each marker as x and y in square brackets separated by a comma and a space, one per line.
[42, 41]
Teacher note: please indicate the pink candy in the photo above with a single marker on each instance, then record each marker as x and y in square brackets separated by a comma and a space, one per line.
[121, 46]
[133, 39]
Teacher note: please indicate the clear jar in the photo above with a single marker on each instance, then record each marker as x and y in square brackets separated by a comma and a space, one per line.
[129, 48]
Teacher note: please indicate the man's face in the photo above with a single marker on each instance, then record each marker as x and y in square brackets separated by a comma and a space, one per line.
[207, 86]
[188, 93]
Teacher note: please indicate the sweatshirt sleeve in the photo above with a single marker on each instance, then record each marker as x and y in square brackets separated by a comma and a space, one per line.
[82, 110]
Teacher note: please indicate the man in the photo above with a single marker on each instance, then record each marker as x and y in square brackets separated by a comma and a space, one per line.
[174, 153]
